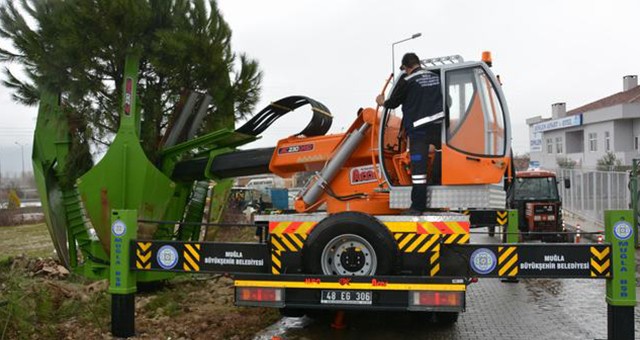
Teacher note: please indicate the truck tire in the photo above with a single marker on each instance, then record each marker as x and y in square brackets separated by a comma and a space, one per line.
[350, 244]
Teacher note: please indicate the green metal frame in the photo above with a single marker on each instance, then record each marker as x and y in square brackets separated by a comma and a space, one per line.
[513, 232]
[621, 288]
[633, 188]
[123, 180]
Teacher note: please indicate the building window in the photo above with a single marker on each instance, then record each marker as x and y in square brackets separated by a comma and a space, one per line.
[549, 145]
[593, 141]
[559, 145]
[635, 142]
[607, 141]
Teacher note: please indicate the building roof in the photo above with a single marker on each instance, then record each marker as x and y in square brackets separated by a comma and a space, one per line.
[629, 96]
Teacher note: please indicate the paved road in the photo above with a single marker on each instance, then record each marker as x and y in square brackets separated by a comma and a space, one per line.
[531, 309]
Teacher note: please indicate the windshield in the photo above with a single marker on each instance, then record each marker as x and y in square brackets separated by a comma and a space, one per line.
[539, 188]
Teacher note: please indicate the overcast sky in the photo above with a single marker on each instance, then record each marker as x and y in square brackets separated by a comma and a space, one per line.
[339, 52]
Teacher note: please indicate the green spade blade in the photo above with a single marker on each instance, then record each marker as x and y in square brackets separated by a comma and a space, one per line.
[124, 178]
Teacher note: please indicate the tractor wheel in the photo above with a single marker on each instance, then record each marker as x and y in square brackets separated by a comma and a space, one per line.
[350, 244]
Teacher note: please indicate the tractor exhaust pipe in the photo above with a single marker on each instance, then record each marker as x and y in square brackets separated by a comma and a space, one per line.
[315, 188]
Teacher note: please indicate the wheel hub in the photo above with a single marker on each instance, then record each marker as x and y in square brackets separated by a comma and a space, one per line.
[349, 254]
[353, 259]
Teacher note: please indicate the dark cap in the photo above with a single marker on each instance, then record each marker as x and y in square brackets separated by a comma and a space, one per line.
[410, 60]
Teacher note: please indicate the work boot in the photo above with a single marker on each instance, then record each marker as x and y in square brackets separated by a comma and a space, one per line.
[419, 197]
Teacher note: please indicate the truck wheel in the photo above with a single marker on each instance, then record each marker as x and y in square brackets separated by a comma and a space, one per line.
[492, 230]
[350, 244]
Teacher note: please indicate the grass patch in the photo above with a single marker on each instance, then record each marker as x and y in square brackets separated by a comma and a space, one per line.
[40, 308]
[32, 240]
[166, 302]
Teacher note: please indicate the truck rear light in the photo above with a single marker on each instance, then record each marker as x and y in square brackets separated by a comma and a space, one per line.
[257, 296]
[436, 299]
[537, 218]
[551, 218]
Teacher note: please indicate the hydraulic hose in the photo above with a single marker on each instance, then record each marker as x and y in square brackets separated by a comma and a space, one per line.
[375, 120]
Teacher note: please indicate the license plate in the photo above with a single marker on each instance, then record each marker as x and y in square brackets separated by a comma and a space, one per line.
[346, 297]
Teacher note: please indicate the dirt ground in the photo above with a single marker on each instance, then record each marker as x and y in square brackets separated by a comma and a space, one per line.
[39, 299]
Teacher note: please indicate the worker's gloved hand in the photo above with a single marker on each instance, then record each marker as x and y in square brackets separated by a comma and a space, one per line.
[380, 99]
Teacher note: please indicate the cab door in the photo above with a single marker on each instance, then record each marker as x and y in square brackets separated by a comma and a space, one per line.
[476, 131]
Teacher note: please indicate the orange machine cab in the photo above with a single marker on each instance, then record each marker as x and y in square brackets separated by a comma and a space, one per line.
[475, 136]
[475, 146]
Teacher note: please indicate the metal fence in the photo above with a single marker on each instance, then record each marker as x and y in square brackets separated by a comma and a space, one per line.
[592, 192]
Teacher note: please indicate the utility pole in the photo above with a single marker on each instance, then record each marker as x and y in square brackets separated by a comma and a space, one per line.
[393, 53]
[22, 157]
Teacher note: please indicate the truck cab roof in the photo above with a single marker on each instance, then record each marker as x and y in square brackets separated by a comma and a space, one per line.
[535, 173]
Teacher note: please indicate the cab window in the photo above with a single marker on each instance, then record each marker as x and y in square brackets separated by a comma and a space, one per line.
[475, 115]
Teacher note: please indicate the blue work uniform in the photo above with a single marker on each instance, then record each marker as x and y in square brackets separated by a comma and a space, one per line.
[420, 95]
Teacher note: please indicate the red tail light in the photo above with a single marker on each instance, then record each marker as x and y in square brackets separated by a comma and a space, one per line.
[436, 299]
[260, 294]
[256, 296]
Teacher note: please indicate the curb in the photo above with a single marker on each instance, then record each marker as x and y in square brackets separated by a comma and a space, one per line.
[592, 237]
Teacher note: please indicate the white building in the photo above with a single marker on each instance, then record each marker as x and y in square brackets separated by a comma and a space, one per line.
[585, 134]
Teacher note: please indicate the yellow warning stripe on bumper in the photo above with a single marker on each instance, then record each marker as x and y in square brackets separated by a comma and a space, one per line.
[352, 285]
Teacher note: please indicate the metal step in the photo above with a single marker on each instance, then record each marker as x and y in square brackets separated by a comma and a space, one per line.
[454, 197]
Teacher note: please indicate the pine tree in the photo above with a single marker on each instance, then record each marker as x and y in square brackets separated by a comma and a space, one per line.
[77, 48]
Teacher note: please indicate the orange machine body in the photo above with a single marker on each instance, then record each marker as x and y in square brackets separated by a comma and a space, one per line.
[358, 176]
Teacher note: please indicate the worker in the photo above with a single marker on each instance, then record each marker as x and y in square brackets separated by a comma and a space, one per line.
[419, 93]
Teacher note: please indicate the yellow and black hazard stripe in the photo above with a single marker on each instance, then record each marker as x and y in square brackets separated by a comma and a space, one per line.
[143, 255]
[508, 261]
[600, 262]
[434, 262]
[288, 242]
[191, 257]
[276, 261]
[455, 238]
[287, 237]
[502, 217]
[416, 243]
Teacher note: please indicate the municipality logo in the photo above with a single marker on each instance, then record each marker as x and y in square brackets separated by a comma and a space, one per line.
[622, 230]
[167, 257]
[483, 261]
[118, 228]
